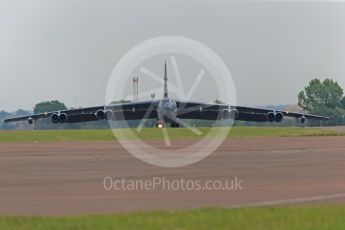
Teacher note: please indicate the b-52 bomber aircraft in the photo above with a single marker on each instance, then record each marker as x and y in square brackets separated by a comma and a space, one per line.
[166, 112]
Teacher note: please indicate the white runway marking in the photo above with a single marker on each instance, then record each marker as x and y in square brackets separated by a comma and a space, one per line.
[293, 200]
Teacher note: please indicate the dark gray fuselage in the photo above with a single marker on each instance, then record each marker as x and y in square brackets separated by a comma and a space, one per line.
[167, 110]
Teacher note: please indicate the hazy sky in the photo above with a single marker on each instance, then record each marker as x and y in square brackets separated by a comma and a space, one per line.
[66, 49]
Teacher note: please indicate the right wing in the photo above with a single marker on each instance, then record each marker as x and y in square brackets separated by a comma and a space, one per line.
[124, 111]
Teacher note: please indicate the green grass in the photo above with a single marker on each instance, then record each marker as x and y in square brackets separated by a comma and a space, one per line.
[288, 217]
[155, 134]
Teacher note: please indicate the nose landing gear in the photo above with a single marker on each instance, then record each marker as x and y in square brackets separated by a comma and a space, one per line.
[162, 124]
[159, 124]
[174, 125]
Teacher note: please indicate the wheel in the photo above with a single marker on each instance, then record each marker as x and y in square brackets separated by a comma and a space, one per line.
[174, 125]
[159, 124]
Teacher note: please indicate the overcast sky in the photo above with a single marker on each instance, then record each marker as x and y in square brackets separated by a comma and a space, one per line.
[66, 49]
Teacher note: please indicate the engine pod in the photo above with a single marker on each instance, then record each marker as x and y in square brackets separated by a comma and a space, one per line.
[54, 118]
[271, 116]
[279, 117]
[63, 117]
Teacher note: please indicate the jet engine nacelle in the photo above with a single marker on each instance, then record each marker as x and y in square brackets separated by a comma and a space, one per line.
[104, 114]
[279, 117]
[56, 118]
[302, 119]
[63, 117]
[100, 114]
[271, 116]
[30, 120]
[274, 117]
[229, 114]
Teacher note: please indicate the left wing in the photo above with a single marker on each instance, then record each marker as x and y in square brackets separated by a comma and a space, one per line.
[193, 110]
[278, 114]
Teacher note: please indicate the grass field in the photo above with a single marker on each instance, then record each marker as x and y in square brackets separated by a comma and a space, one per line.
[155, 134]
[288, 217]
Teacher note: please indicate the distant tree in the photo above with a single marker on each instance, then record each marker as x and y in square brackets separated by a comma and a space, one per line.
[3, 114]
[22, 112]
[325, 98]
[326, 94]
[7, 126]
[343, 102]
[49, 106]
[217, 101]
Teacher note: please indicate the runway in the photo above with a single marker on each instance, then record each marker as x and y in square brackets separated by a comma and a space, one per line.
[64, 178]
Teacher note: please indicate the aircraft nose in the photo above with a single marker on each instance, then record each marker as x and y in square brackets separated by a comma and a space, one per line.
[170, 106]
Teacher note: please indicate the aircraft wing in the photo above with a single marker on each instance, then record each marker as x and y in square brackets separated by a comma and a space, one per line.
[72, 112]
[191, 110]
[148, 110]
[250, 110]
[195, 110]
[124, 111]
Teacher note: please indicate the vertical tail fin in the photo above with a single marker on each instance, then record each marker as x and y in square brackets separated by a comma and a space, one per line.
[165, 81]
